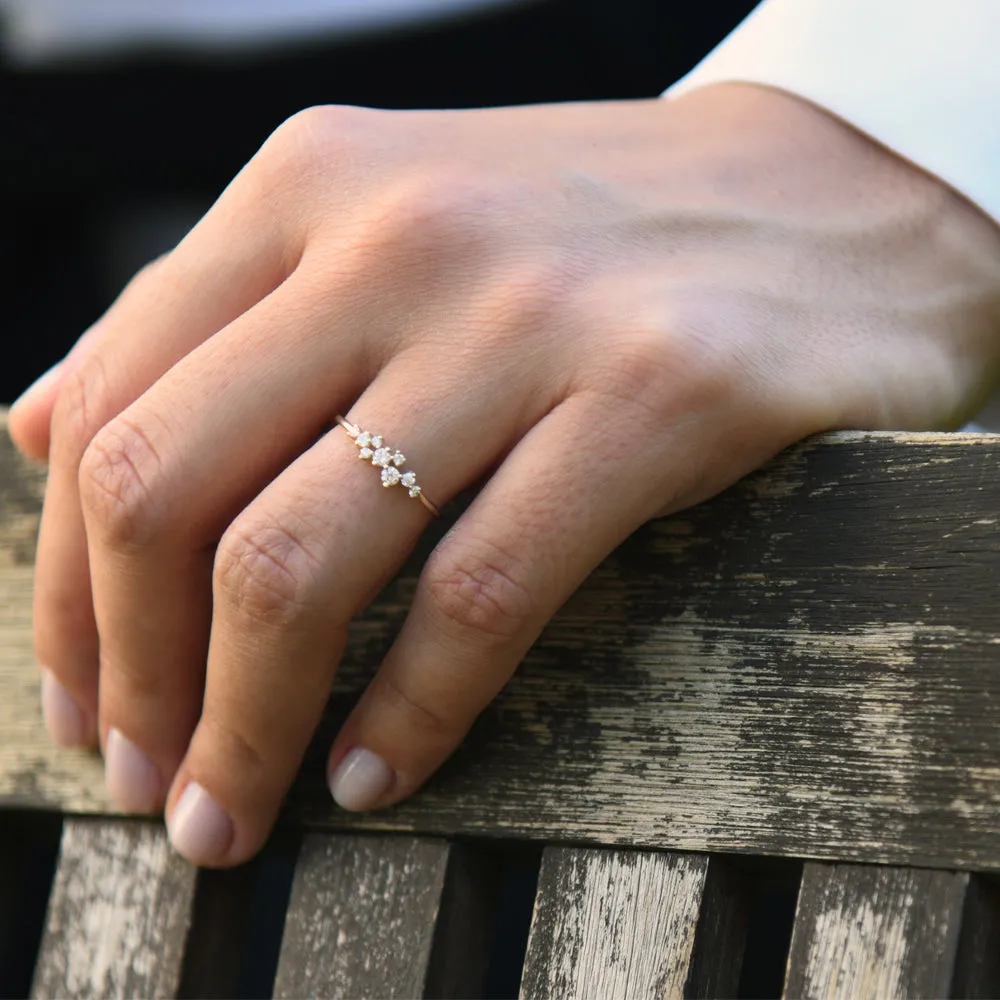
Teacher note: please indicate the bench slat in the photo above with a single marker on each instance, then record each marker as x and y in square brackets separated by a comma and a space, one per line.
[619, 924]
[793, 668]
[361, 917]
[866, 932]
[118, 914]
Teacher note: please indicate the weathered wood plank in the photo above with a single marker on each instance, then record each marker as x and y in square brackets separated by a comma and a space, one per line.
[613, 924]
[869, 932]
[362, 917]
[118, 915]
[808, 665]
[30, 772]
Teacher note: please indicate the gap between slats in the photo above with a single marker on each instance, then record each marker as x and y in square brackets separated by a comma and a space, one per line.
[393, 916]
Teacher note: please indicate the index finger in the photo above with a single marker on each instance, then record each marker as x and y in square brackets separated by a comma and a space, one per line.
[168, 308]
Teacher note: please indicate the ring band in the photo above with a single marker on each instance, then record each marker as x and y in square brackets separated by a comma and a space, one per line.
[373, 448]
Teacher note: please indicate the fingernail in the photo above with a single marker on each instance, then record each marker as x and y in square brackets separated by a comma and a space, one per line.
[132, 778]
[199, 827]
[361, 779]
[38, 386]
[64, 719]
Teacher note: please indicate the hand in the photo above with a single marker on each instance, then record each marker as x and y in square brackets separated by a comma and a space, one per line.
[614, 310]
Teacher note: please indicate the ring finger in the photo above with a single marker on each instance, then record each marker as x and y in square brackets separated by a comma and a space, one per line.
[295, 567]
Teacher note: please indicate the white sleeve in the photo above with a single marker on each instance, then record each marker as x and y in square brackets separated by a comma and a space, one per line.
[920, 76]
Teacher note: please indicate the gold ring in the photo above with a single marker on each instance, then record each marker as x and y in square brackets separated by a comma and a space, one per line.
[372, 447]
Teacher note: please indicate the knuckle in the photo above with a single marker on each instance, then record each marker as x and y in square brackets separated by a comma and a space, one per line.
[81, 409]
[427, 719]
[641, 367]
[314, 127]
[265, 572]
[478, 588]
[666, 366]
[235, 744]
[429, 219]
[303, 146]
[432, 204]
[527, 301]
[117, 478]
[130, 678]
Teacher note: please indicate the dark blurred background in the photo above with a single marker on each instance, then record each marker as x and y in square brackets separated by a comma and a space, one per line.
[107, 160]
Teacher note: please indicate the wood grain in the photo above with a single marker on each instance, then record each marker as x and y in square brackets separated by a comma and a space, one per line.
[361, 918]
[118, 915]
[807, 665]
[873, 933]
[613, 925]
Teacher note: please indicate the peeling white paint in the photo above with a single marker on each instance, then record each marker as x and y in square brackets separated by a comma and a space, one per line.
[119, 914]
[625, 930]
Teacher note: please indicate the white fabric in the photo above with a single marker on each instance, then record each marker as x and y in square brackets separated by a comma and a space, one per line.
[39, 30]
[921, 76]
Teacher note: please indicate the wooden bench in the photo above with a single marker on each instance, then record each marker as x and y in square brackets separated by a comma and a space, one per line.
[767, 730]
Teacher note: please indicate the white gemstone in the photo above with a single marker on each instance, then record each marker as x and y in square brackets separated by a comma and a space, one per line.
[399, 458]
[377, 441]
[414, 491]
[390, 476]
[409, 479]
[365, 453]
[381, 457]
[363, 439]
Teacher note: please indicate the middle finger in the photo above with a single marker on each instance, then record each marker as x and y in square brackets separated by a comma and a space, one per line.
[296, 566]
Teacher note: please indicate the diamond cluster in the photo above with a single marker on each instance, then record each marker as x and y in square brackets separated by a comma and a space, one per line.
[372, 448]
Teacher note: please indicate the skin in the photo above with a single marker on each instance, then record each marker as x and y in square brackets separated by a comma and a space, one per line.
[607, 311]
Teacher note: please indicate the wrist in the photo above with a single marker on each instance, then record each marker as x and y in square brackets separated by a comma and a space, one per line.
[797, 158]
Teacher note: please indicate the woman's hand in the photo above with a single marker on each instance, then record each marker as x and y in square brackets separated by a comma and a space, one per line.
[612, 310]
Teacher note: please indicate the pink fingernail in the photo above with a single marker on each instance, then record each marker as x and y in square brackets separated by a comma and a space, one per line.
[199, 827]
[132, 778]
[361, 780]
[64, 719]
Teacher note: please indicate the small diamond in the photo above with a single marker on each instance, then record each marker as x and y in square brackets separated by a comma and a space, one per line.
[414, 491]
[365, 453]
[390, 476]
[399, 458]
[377, 441]
[363, 439]
[409, 479]
[381, 457]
